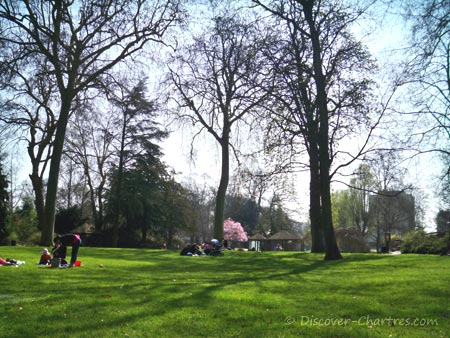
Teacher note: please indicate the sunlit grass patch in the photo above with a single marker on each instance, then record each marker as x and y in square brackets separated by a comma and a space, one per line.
[152, 293]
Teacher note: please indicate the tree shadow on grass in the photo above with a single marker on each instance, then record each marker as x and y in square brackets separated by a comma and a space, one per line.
[149, 286]
[192, 283]
[196, 281]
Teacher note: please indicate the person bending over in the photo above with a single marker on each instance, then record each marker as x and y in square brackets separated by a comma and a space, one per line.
[66, 240]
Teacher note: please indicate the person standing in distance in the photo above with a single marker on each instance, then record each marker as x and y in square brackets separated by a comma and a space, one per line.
[66, 240]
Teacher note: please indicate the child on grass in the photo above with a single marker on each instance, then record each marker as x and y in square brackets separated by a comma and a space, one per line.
[45, 257]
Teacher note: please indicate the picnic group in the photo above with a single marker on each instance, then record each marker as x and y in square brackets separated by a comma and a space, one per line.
[212, 248]
[57, 256]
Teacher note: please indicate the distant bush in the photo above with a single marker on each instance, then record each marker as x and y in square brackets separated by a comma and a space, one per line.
[422, 243]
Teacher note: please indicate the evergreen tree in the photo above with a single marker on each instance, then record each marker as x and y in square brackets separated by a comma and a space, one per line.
[137, 147]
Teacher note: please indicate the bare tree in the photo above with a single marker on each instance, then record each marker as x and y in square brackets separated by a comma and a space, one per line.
[424, 73]
[324, 94]
[30, 110]
[89, 146]
[72, 45]
[391, 209]
[201, 199]
[429, 68]
[4, 200]
[358, 202]
[217, 81]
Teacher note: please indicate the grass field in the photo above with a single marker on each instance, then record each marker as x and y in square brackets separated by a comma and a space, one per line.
[148, 293]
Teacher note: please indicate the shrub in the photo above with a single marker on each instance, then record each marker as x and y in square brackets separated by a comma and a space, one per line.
[422, 243]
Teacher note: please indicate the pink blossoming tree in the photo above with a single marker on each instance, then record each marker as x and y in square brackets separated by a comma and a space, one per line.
[233, 231]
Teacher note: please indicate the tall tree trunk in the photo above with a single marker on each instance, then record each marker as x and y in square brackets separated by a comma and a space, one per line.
[99, 214]
[36, 179]
[53, 175]
[331, 248]
[332, 251]
[118, 196]
[315, 209]
[69, 187]
[169, 238]
[99, 220]
[92, 199]
[144, 233]
[39, 201]
[221, 192]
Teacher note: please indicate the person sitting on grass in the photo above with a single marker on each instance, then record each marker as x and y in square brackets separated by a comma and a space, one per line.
[185, 250]
[207, 248]
[45, 257]
[191, 250]
[195, 250]
[63, 241]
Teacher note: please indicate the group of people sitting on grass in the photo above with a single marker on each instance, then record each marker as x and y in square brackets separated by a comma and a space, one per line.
[205, 248]
[59, 251]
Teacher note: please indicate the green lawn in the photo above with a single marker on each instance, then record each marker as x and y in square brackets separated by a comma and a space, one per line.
[148, 293]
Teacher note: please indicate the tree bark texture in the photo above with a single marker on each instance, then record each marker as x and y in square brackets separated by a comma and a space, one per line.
[53, 176]
[222, 190]
[315, 208]
[331, 248]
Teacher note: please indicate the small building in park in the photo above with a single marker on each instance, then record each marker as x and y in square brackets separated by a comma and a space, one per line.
[257, 242]
[286, 241]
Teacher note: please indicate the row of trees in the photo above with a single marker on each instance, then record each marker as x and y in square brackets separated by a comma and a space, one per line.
[55, 56]
[291, 69]
[376, 203]
[299, 69]
[149, 216]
